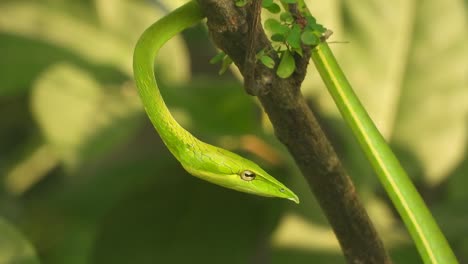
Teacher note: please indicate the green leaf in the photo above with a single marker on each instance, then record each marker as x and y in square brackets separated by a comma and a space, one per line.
[298, 51]
[267, 61]
[109, 44]
[286, 66]
[271, 6]
[217, 58]
[276, 27]
[278, 38]
[241, 3]
[317, 27]
[286, 17]
[309, 38]
[289, 1]
[128, 20]
[227, 61]
[420, 106]
[35, 161]
[311, 20]
[14, 248]
[260, 53]
[80, 118]
[430, 119]
[274, 8]
[313, 25]
[294, 37]
[267, 3]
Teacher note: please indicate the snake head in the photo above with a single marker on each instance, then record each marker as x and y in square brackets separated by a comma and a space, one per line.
[225, 168]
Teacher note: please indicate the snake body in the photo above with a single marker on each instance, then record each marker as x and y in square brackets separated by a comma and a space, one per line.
[200, 159]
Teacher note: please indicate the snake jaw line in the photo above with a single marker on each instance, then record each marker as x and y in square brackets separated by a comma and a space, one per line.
[226, 169]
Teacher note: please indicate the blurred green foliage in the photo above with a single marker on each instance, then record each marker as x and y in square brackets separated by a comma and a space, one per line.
[84, 177]
[14, 248]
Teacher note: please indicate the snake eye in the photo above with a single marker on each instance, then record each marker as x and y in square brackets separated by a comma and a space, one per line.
[247, 175]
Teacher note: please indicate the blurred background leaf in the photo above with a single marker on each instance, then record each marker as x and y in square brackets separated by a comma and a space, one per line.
[407, 62]
[14, 248]
[78, 117]
[86, 179]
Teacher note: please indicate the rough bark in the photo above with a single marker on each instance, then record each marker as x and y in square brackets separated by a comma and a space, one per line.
[297, 128]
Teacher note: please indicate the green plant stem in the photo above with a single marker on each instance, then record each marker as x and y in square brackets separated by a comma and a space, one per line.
[430, 242]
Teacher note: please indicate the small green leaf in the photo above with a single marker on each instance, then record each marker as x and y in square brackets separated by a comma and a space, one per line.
[241, 3]
[274, 8]
[217, 58]
[97, 113]
[289, 1]
[14, 247]
[286, 17]
[278, 38]
[267, 61]
[309, 38]
[298, 51]
[227, 61]
[276, 27]
[286, 66]
[317, 27]
[294, 37]
[267, 3]
[311, 20]
[271, 24]
[260, 53]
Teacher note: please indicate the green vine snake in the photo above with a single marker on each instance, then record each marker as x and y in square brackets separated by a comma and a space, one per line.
[200, 159]
[228, 169]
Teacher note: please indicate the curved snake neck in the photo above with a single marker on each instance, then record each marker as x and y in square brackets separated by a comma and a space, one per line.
[173, 135]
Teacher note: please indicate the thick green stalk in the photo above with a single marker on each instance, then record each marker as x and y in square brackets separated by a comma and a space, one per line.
[431, 243]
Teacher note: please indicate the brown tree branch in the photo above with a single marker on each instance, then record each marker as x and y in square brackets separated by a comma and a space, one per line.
[297, 128]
